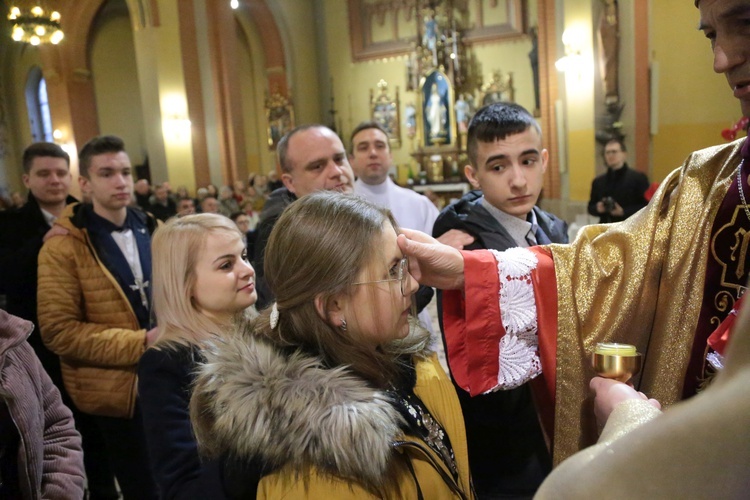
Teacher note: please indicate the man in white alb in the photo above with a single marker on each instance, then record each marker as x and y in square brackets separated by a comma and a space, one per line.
[370, 158]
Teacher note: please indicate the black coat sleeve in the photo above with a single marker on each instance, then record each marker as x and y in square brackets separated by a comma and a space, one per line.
[262, 233]
[164, 388]
[18, 253]
[596, 196]
[637, 200]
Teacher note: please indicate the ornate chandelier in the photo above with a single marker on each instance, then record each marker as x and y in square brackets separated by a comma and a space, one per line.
[35, 25]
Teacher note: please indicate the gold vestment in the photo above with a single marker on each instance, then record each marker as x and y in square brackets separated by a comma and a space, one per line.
[640, 282]
[698, 449]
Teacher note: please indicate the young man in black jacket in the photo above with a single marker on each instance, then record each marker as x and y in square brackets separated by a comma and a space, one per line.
[507, 450]
[46, 174]
[619, 192]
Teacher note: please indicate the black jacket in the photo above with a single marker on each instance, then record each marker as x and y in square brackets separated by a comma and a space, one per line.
[276, 203]
[165, 380]
[468, 214]
[21, 233]
[625, 185]
[162, 212]
[507, 451]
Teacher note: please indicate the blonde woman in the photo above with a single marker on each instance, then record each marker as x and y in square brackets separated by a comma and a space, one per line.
[202, 285]
[331, 392]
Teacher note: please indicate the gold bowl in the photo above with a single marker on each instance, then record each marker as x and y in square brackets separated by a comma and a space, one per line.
[620, 368]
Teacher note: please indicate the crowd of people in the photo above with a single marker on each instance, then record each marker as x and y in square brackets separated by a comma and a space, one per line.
[246, 198]
[272, 341]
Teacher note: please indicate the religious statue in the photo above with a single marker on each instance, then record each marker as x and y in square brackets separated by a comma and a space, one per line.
[609, 47]
[462, 114]
[436, 114]
[437, 118]
[429, 39]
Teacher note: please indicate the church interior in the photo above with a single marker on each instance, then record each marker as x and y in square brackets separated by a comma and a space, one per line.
[201, 90]
[288, 399]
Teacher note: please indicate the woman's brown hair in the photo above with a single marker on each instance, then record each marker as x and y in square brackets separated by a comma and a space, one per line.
[317, 248]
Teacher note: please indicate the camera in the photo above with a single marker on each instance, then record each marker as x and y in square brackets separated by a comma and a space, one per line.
[609, 204]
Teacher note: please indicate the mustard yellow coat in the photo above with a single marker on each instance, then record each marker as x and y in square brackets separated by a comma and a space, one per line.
[86, 319]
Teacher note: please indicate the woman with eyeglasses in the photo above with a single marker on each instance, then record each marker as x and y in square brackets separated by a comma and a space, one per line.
[332, 392]
[203, 285]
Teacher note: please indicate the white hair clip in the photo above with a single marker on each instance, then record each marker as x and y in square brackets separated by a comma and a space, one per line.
[274, 318]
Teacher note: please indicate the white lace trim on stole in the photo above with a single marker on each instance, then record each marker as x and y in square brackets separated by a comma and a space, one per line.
[519, 347]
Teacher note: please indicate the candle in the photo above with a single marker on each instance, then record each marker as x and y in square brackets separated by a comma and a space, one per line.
[615, 349]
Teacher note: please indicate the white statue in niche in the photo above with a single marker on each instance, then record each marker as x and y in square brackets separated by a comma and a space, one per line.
[436, 113]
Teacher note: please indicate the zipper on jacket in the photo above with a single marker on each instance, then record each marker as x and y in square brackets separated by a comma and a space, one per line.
[447, 478]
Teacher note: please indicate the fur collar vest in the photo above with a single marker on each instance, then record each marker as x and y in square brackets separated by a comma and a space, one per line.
[255, 402]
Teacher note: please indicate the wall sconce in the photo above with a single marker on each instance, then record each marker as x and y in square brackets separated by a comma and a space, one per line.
[572, 61]
[62, 139]
[177, 128]
[175, 125]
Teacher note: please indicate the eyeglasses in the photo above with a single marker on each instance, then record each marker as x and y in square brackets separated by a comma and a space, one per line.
[403, 276]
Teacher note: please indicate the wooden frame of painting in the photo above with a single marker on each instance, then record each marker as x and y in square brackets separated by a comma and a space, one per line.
[384, 110]
[363, 13]
[499, 89]
[279, 118]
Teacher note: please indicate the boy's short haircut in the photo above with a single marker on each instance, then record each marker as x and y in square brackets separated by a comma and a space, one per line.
[497, 121]
[98, 146]
[43, 149]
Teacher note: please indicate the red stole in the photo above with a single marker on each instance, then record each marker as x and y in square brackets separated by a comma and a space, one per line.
[726, 273]
[473, 330]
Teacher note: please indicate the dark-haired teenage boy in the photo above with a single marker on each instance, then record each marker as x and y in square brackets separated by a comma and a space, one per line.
[507, 450]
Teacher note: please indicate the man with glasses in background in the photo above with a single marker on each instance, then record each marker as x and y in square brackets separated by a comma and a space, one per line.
[619, 192]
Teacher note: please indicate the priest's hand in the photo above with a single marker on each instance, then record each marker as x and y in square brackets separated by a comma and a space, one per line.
[430, 262]
[609, 393]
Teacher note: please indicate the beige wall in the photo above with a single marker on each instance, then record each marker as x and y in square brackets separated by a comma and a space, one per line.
[296, 21]
[694, 103]
[579, 101]
[352, 81]
[118, 98]
[251, 67]
[176, 130]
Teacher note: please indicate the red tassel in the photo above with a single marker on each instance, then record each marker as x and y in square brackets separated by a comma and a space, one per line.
[730, 134]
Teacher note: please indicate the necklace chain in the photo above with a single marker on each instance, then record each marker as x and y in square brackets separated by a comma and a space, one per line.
[742, 191]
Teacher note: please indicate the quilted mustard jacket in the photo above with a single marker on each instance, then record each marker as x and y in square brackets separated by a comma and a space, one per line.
[86, 319]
